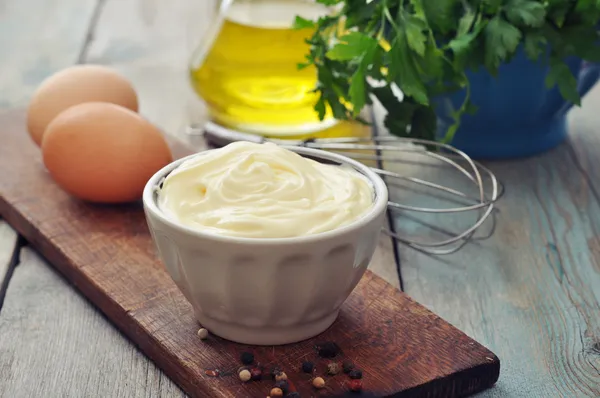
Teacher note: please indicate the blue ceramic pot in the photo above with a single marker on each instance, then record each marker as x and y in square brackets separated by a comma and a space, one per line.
[517, 115]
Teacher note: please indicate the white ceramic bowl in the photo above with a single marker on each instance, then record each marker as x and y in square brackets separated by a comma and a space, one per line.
[267, 291]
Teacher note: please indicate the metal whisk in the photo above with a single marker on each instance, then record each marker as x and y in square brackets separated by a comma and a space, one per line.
[400, 147]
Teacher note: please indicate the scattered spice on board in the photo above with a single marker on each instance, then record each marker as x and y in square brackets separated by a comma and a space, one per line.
[308, 367]
[356, 385]
[347, 366]
[224, 373]
[283, 385]
[275, 370]
[245, 375]
[333, 368]
[356, 374]
[203, 334]
[318, 382]
[247, 358]
[280, 376]
[256, 374]
[212, 372]
[328, 349]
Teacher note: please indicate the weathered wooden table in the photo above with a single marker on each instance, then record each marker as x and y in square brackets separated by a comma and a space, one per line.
[531, 293]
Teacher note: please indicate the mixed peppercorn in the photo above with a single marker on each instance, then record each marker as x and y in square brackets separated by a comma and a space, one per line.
[281, 386]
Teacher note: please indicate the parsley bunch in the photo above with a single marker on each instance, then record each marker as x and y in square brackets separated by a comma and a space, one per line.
[369, 48]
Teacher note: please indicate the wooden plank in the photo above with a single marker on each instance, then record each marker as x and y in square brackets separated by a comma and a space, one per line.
[71, 352]
[37, 38]
[8, 241]
[531, 291]
[584, 125]
[107, 253]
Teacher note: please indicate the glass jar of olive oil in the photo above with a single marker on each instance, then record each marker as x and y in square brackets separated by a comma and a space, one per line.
[246, 71]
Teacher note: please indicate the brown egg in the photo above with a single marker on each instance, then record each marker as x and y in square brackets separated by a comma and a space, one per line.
[73, 86]
[102, 152]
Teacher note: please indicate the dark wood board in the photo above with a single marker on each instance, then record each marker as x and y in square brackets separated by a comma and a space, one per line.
[106, 252]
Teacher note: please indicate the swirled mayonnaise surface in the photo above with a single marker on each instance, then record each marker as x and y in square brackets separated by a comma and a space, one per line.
[263, 191]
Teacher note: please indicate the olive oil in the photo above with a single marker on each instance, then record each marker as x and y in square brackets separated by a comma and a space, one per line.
[248, 74]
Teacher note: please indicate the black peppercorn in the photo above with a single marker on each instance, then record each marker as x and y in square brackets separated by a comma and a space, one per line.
[347, 366]
[328, 349]
[247, 358]
[355, 374]
[275, 370]
[308, 367]
[283, 385]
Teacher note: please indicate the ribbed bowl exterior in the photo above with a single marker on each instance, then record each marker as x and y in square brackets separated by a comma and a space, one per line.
[262, 291]
[266, 294]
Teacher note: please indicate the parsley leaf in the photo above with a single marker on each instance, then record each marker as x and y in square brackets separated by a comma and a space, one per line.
[329, 2]
[525, 12]
[414, 33]
[462, 43]
[351, 46]
[425, 48]
[424, 123]
[501, 38]
[432, 62]
[404, 73]
[399, 114]
[561, 75]
[357, 91]
[441, 14]
[466, 22]
[534, 45]
[321, 108]
[302, 23]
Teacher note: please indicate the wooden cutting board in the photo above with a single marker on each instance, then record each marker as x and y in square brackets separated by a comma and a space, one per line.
[403, 349]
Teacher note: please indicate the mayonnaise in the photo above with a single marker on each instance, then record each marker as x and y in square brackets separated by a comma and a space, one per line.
[263, 191]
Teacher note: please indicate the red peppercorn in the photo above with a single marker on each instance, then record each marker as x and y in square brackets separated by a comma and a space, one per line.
[355, 385]
[211, 372]
[256, 374]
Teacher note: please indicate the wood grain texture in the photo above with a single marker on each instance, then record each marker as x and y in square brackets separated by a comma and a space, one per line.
[38, 38]
[584, 138]
[88, 358]
[532, 291]
[107, 253]
[8, 241]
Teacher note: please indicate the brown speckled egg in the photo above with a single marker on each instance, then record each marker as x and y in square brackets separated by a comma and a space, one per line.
[102, 152]
[73, 86]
